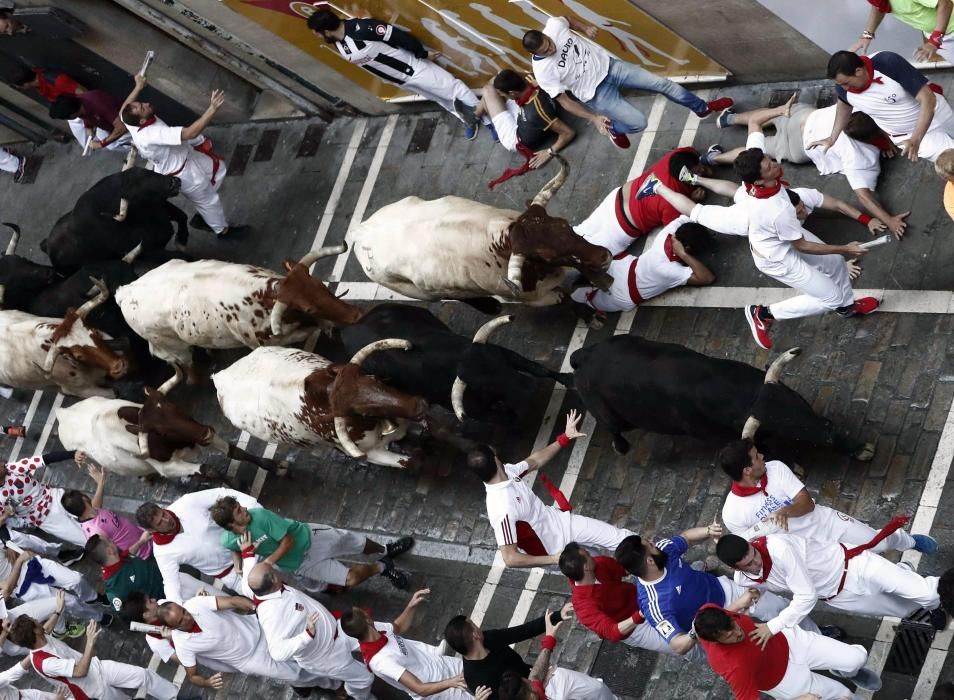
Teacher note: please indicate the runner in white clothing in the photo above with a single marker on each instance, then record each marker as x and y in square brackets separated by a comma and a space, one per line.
[182, 151]
[528, 532]
[184, 533]
[671, 261]
[8, 691]
[851, 579]
[769, 491]
[300, 628]
[83, 674]
[548, 682]
[419, 669]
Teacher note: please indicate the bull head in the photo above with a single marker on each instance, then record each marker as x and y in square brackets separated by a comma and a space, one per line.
[481, 336]
[123, 202]
[84, 344]
[163, 428]
[379, 400]
[301, 292]
[772, 376]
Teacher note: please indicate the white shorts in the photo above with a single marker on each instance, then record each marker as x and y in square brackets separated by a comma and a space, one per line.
[505, 124]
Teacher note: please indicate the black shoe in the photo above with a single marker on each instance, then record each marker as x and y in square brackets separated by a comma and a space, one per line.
[832, 632]
[21, 168]
[938, 618]
[70, 555]
[106, 620]
[302, 692]
[102, 599]
[398, 547]
[198, 222]
[399, 579]
[235, 232]
[466, 112]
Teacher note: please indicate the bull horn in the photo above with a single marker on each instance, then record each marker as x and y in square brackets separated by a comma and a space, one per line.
[278, 311]
[129, 257]
[774, 372]
[143, 444]
[102, 294]
[750, 428]
[347, 444]
[51, 358]
[309, 259]
[123, 210]
[130, 159]
[3, 290]
[514, 278]
[543, 196]
[171, 382]
[386, 344]
[481, 336]
[14, 239]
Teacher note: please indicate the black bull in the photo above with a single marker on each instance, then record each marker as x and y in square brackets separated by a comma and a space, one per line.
[90, 232]
[499, 380]
[628, 382]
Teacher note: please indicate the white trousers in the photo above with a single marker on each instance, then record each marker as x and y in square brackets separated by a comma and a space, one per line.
[732, 220]
[590, 532]
[847, 529]
[822, 280]
[34, 544]
[768, 606]
[617, 297]
[78, 127]
[80, 600]
[8, 162]
[808, 652]
[940, 135]
[436, 84]
[61, 524]
[114, 675]
[646, 637]
[602, 228]
[875, 586]
[198, 188]
[341, 666]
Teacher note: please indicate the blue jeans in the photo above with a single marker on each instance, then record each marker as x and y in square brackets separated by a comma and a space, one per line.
[625, 117]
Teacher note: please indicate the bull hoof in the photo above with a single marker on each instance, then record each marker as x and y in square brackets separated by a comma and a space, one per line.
[865, 452]
[598, 321]
[620, 445]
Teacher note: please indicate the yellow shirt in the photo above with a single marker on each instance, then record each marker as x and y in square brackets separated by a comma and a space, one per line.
[949, 199]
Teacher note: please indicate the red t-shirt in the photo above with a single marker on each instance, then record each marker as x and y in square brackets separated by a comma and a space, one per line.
[747, 668]
[602, 606]
[51, 85]
[654, 211]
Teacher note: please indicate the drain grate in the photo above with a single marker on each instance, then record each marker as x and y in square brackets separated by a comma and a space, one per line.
[239, 160]
[311, 141]
[911, 644]
[421, 138]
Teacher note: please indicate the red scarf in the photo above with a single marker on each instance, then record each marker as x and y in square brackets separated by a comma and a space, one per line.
[667, 247]
[258, 601]
[111, 570]
[895, 524]
[526, 95]
[869, 66]
[882, 5]
[369, 649]
[167, 537]
[527, 153]
[760, 546]
[150, 121]
[539, 689]
[742, 490]
[763, 191]
[195, 629]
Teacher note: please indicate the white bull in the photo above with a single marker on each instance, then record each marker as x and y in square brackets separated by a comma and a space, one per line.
[218, 305]
[454, 248]
[37, 352]
[291, 396]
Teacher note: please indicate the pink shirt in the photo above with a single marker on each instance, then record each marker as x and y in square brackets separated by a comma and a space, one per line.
[120, 530]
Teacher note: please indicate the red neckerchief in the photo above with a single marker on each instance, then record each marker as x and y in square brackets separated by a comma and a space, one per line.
[195, 629]
[167, 537]
[667, 247]
[759, 545]
[869, 66]
[150, 121]
[258, 601]
[882, 5]
[762, 191]
[369, 649]
[526, 95]
[742, 490]
[539, 689]
[111, 570]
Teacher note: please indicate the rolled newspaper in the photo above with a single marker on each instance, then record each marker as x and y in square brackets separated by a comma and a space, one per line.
[145, 628]
[880, 240]
[146, 61]
[761, 528]
[89, 140]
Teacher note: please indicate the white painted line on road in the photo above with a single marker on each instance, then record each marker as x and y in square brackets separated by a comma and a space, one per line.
[688, 136]
[343, 172]
[50, 422]
[27, 421]
[931, 670]
[646, 137]
[365, 196]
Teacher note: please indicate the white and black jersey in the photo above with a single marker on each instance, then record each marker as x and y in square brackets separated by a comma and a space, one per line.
[388, 52]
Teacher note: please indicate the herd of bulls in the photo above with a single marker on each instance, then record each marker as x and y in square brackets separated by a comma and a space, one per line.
[115, 309]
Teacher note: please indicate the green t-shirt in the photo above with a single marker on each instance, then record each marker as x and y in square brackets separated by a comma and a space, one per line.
[267, 530]
[920, 14]
[134, 574]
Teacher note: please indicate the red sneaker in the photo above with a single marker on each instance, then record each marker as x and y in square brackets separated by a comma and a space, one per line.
[619, 140]
[15, 431]
[717, 106]
[863, 306]
[759, 326]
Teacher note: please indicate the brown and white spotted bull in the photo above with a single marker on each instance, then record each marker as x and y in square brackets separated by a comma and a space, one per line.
[38, 352]
[154, 437]
[218, 305]
[454, 248]
[291, 396]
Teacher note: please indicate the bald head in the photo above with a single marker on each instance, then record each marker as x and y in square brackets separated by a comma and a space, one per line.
[263, 579]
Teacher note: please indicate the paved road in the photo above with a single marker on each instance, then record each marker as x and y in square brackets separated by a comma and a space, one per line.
[888, 378]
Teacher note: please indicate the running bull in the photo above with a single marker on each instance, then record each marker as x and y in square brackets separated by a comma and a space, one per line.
[219, 305]
[145, 439]
[21, 279]
[454, 248]
[291, 396]
[630, 383]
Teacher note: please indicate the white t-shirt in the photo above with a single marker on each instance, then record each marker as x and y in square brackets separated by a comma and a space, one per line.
[61, 664]
[512, 501]
[773, 225]
[860, 162]
[655, 272]
[572, 685]
[162, 144]
[578, 65]
[226, 636]
[739, 513]
[423, 660]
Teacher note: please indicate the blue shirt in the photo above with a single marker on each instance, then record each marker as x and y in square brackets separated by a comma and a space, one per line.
[671, 603]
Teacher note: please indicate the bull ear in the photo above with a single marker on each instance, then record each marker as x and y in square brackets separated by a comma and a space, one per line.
[289, 265]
